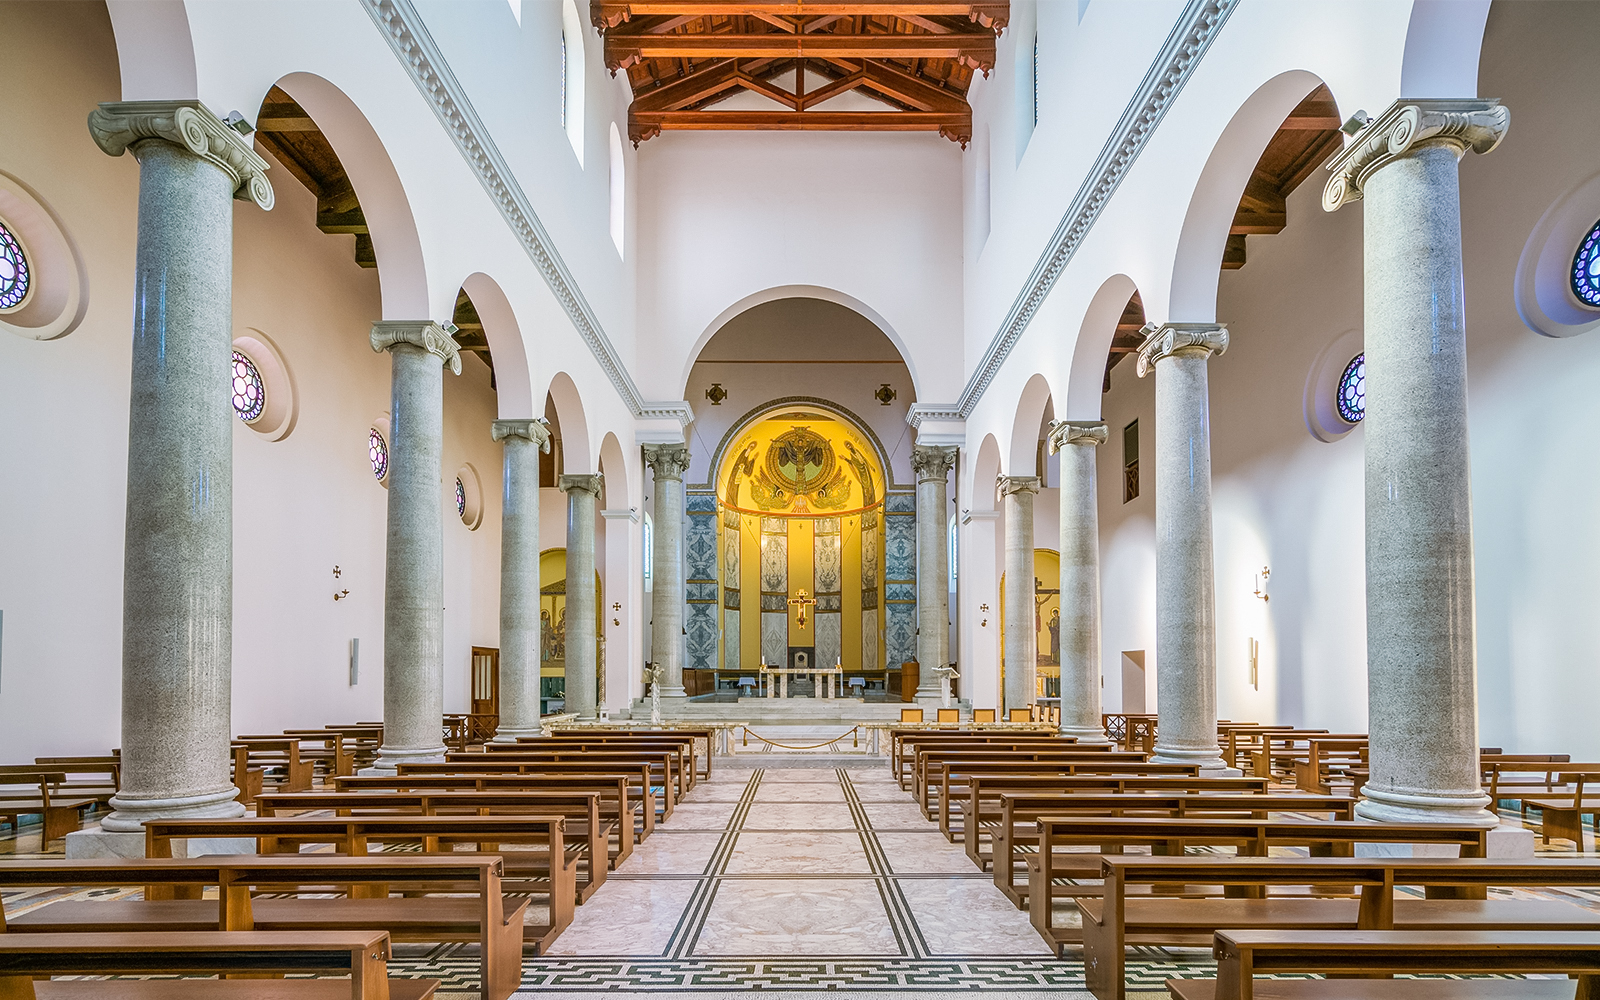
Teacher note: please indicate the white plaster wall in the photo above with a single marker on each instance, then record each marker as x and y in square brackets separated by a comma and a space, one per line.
[301, 505]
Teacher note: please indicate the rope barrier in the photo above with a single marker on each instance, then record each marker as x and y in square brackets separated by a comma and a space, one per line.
[853, 733]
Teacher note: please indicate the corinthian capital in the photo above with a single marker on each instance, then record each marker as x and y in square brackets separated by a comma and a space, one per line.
[1180, 340]
[932, 462]
[1085, 432]
[666, 461]
[591, 483]
[192, 126]
[423, 333]
[1018, 484]
[536, 431]
[1407, 125]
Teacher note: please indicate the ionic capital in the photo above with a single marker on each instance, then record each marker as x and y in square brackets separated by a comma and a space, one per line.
[591, 483]
[933, 462]
[1408, 125]
[666, 461]
[1017, 484]
[1083, 432]
[423, 333]
[192, 126]
[1180, 340]
[536, 431]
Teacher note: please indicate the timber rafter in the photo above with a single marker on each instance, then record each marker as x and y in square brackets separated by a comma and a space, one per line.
[916, 60]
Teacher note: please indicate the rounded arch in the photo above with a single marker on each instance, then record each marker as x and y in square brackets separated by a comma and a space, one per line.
[155, 50]
[402, 275]
[1198, 261]
[513, 380]
[1086, 379]
[576, 452]
[762, 412]
[1443, 42]
[614, 467]
[798, 292]
[1025, 428]
[985, 470]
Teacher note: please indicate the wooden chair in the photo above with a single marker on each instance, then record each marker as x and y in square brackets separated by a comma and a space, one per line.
[983, 715]
[949, 715]
[911, 715]
[1561, 815]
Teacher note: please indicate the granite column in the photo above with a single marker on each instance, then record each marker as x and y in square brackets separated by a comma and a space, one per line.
[519, 577]
[583, 678]
[667, 462]
[177, 624]
[1021, 638]
[1422, 700]
[932, 465]
[413, 593]
[1186, 604]
[1075, 442]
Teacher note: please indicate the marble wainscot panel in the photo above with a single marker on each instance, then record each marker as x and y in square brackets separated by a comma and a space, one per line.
[700, 588]
[900, 578]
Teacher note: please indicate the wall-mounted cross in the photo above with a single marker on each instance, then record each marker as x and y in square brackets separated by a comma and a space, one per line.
[801, 601]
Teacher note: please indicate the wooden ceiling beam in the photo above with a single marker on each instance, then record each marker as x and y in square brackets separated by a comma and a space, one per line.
[977, 51]
[769, 91]
[910, 90]
[644, 124]
[692, 89]
[284, 118]
[991, 14]
[832, 90]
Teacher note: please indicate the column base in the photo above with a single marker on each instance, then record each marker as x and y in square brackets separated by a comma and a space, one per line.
[1086, 735]
[1210, 760]
[130, 812]
[671, 691]
[1381, 806]
[389, 758]
[509, 735]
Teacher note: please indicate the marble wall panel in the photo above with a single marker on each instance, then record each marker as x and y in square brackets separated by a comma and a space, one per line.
[774, 590]
[700, 591]
[900, 578]
[732, 539]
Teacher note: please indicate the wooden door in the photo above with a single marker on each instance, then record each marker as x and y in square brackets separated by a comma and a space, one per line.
[485, 681]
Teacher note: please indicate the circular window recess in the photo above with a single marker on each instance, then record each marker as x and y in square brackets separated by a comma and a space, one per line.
[1323, 384]
[1543, 288]
[468, 496]
[58, 293]
[378, 450]
[280, 406]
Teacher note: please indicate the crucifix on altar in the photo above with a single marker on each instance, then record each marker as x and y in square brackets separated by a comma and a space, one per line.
[801, 601]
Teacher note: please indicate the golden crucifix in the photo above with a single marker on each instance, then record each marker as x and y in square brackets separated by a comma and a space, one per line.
[801, 601]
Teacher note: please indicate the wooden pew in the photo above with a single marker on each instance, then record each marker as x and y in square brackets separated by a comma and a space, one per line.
[335, 752]
[616, 795]
[551, 870]
[1281, 751]
[172, 902]
[903, 744]
[676, 756]
[252, 757]
[1325, 758]
[639, 776]
[699, 760]
[956, 776]
[1451, 884]
[29, 790]
[97, 775]
[581, 810]
[360, 955]
[1018, 831]
[918, 757]
[1561, 814]
[1241, 954]
[1240, 740]
[1508, 776]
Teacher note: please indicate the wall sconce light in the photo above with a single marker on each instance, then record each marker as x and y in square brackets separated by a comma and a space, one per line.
[1261, 581]
[984, 623]
[340, 595]
[616, 621]
[885, 394]
[716, 394]
[1254, 652]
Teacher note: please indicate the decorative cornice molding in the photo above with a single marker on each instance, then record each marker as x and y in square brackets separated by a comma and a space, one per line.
[536, 431]
[932, 413]
[191, 125]
[403, 28]
[1478, 125]
[1089, 432]
[591, 482]
[666, 461]
[1180, 340]
[423, 333]
[1197, 27]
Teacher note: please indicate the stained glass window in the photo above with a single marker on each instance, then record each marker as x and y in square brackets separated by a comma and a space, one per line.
[249, 395]
[1585, 269]
[15, 278]
[1353, 390]
[461, 498]
[378, 452]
